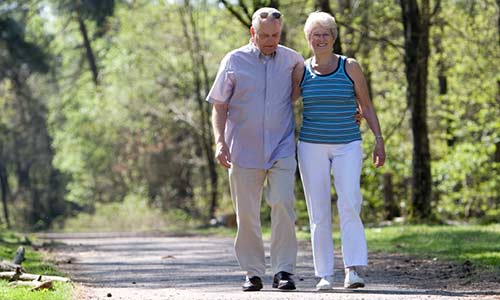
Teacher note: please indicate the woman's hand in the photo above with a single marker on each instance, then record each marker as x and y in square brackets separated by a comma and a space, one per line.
[379, 152]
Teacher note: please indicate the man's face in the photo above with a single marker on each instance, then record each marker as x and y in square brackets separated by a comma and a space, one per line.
[268, 36]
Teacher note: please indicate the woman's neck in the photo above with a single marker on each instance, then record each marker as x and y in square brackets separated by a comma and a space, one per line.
[324, 59]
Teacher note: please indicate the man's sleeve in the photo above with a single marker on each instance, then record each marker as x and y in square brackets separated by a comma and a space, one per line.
[298, 58]
[222, 89]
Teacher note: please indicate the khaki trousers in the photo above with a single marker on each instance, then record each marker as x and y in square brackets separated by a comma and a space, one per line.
[246, 192]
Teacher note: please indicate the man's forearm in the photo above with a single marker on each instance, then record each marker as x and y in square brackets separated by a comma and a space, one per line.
[297, 73]
[219, 118]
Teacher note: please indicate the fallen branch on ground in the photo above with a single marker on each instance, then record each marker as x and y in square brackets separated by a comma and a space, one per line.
[8, 266]
[20, 276]
[36, 284]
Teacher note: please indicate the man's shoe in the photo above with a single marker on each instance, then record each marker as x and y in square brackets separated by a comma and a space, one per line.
[252, 284]
[283, 281]
[325, 283]
[353, 280]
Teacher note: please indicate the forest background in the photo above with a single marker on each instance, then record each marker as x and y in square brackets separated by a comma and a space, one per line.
[102, 102]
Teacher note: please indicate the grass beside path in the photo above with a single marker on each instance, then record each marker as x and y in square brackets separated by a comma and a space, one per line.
[479, 244]
[35, 264]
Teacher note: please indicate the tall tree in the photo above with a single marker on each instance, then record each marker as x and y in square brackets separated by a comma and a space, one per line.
[96, 11]
[201, 88]
[497, 145]
[496, 157]
[416, 23]
[27, 151]
[4, 189]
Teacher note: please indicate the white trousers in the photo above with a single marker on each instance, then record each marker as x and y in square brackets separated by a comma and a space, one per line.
[316, 162]
[246, 192]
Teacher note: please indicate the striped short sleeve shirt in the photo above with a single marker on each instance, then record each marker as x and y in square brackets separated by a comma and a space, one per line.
[329, 107]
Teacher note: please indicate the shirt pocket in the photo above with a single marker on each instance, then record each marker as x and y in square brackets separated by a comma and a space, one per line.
[250, 84]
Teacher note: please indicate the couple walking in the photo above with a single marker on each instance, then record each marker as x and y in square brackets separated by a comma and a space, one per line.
[253, 124]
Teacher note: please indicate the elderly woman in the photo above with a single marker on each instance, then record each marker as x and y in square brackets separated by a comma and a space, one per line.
[332, 88]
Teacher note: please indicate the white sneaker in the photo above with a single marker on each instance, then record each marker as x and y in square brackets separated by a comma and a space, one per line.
[325, 283]
[353, 280]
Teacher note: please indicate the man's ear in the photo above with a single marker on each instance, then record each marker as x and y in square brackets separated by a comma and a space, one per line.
[252, 31]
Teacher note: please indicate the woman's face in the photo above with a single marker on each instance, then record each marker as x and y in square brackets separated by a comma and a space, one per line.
[321, 40]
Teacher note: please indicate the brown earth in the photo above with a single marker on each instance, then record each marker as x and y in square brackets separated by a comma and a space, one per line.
[157, 266]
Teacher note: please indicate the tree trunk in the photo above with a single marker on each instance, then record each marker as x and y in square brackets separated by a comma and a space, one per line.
[324, 6]
[366, 48]
[416, 34]
[244, 17]
[201, 88]
[88, 47]
[498, 22]
[4, 186]
[443, 83]
[497, 145]
[391, 207]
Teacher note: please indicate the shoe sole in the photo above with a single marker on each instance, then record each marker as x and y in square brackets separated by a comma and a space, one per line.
[283, 288]
[323, 288]
[355, 285]
[252, 289]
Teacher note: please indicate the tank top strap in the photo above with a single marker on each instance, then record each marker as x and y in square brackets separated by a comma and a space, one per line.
[307, 64]
[342, 61]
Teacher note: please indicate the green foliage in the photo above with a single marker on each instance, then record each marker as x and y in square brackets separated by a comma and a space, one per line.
[138, 134]
[19, 51]
[465, 178]
[133, 214]
[141, 131]
[29, 180]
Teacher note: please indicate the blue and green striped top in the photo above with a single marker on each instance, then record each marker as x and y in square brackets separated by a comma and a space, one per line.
[329, 106]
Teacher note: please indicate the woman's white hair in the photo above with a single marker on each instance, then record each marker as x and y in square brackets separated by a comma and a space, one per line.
[322, 19]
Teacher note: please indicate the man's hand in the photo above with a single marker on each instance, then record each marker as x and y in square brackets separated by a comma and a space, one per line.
[222, 155]
[358, 116]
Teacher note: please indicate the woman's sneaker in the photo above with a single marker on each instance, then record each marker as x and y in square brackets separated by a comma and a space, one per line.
[325, 283]
[353, 280]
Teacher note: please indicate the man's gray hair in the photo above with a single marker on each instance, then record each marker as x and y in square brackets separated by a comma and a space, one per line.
[256, 16]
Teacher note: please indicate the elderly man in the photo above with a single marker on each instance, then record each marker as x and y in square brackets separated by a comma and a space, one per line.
[253, 124]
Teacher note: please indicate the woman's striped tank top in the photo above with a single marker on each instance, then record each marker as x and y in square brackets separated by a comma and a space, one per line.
[329, 106]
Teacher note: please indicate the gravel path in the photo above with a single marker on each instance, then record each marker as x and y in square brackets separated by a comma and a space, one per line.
[129, 266]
